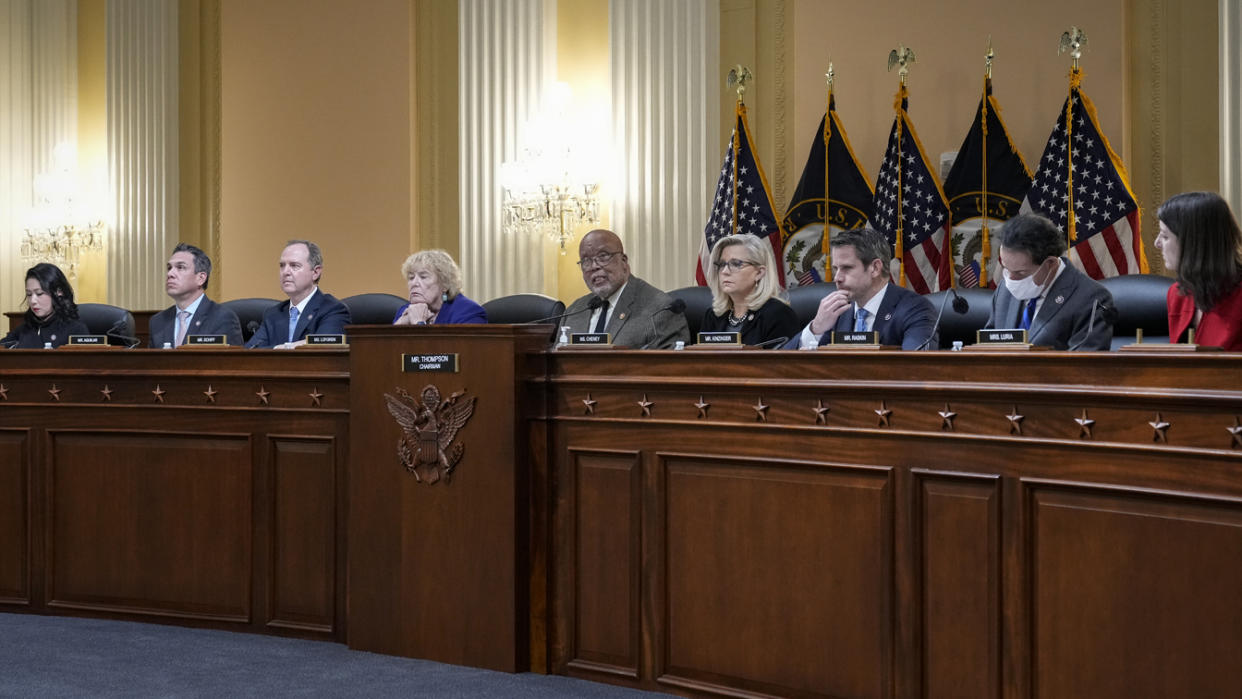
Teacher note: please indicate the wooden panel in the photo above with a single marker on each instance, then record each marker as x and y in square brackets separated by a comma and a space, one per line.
[14, 516]
[303, 533]
[169, 536]
[1135, 593]
[779, 578]
[959, 546]
[606, 583]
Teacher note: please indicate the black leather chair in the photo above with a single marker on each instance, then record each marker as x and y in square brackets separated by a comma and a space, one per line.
[373, 309]
[113, 321]
[805, 299]
[250, 313]
[962, 326]
[523, 308]
[697, 299]
[1142, 302]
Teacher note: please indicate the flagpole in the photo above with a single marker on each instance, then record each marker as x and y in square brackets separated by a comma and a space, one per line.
[901, 118]
[825, 241]
[983, 232]
[739, 77]
[1072, 41]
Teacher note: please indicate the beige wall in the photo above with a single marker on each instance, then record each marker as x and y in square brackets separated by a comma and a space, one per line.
[316, 141]
[92, 282]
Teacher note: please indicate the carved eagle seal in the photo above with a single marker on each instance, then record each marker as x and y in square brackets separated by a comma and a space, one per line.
[428, 427]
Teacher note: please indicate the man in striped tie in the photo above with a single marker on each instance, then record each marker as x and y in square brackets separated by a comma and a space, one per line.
[1058, 306]
[865, 299]
[185, 281]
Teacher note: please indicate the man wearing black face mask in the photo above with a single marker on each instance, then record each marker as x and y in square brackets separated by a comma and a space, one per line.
[1044, 294]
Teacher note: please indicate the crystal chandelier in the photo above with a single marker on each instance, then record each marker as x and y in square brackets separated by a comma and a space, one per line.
[548, 188]
[59, 228]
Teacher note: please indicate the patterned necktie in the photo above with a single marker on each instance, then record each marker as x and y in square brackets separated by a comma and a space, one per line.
[183, 324]
[860, 320]
[1028, 313]
[293, 321]
[602, 320]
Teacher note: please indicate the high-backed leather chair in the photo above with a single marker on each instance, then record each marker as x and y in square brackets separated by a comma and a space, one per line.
[805, 299]
[523, 308]
[113, 321]
[250, 313]
[373, 309]
[1142, 302]
[962, 326]
[698, 299]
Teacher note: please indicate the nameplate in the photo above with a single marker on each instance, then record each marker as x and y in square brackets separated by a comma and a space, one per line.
[720, 338]
[855, 338]
[94, 340]
[1003, 336]
[429, 362]
[198, 340]
[590, 339]
[317, 339]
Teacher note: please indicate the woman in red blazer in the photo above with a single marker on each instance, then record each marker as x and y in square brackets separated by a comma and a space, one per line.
[1201, 244]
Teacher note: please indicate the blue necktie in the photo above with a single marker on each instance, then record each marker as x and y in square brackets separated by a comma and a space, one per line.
[293, 321]
[860, 320]
[1028, 313]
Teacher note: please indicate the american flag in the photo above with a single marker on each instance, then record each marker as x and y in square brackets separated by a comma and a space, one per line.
[742, 190]
[909, 192]
[1105, 238]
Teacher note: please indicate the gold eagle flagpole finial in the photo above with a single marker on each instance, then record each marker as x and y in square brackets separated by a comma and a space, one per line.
[1072, 42]
[831, 75]
[739, 78]
[987, 59]
[901, 56]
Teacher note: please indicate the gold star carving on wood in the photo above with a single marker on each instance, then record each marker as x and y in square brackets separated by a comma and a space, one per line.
[210, 393]
[1160, 428]
[590, 404]
[645, 405]
[821, 412]
[1084, 425]
[1015, 421]
[263, 394]
[884, 414]
[761, 410]
[106, 393]
[4, 392]
[946, 418]
[54, 392]
[702, 405]
[316, 397]
[1236, 432]
[158, 393]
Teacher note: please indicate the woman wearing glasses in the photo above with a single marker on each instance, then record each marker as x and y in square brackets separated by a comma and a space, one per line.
[745, 292]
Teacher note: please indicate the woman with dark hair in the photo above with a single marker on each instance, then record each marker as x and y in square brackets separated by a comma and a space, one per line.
[1201, 244]
[51, 315]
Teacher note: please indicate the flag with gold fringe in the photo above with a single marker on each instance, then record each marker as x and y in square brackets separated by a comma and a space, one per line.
[985, 187]
[911, 209]
[1082, 186]
[833, 175]
[743, 201]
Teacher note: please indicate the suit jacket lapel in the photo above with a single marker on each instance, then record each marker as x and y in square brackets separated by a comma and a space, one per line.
[621, 313]
[1054, 301]
[307, 315]
[199, 316]
[884, 315]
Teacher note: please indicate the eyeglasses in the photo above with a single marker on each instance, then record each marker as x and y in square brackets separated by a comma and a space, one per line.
[599, 259]
[735, 265]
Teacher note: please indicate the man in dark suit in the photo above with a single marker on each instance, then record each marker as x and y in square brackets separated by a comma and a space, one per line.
[632, 311]
[1056, 304]
[308, 310]
[865, 300]
[189, 270]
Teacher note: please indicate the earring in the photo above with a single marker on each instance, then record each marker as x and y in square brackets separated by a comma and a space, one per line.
[443, 296]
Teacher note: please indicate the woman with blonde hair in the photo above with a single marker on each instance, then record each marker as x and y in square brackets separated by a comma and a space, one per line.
[745, 292]
[434, 283]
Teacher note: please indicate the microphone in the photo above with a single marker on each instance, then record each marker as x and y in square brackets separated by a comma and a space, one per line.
[252, 327]
[115, 333]
[593, 304]
[1097, 304]
[769, 343]
[959, 305]
[677, 306]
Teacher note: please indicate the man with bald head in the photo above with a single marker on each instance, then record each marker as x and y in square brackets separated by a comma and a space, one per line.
[633, 312]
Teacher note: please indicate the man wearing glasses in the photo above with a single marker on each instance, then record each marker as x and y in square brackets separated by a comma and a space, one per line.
[629, 309]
